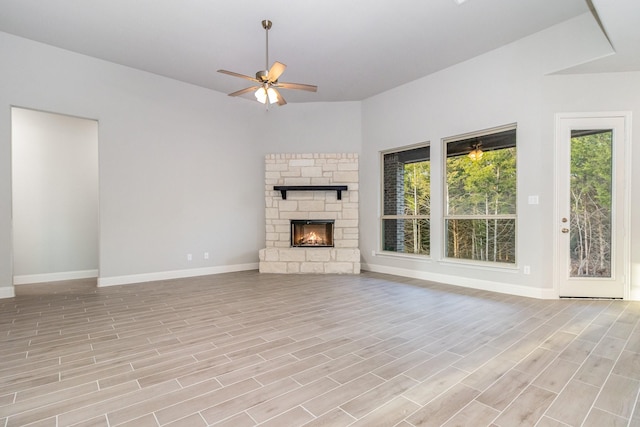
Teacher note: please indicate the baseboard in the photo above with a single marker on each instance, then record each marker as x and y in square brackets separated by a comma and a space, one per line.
[175, 274]
[485, 285]
[7, 292]
[54, 277]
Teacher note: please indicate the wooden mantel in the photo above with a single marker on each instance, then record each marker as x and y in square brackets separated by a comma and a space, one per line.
[284, 188]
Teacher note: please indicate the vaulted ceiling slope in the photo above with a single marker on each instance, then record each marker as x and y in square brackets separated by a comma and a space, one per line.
[351, 49]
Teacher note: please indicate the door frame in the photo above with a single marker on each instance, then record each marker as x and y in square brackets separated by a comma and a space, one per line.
[17, 280]
[624, 232]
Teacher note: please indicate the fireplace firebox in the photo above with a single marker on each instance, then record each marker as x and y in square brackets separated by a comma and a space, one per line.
[312, 233]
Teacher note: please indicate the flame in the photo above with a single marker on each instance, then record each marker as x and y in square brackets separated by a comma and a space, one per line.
[312, 238]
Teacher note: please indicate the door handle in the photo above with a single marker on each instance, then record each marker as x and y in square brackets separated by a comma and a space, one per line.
[565, 230]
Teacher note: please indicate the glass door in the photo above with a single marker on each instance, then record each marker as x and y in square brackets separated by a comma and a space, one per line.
[590, 207]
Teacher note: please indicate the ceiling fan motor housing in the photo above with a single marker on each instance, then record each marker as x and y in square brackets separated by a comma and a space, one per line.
[262, 75]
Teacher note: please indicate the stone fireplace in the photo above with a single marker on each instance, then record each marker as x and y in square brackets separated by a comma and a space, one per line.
[311, 214]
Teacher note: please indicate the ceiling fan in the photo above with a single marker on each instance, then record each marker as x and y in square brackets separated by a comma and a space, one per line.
[266, 81]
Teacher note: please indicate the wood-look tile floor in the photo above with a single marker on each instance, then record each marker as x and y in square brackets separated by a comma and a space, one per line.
[245, 349]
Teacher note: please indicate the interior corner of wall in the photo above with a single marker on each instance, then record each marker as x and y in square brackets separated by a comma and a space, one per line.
[7, 291]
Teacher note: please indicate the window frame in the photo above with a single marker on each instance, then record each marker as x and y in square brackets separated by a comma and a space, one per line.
[383, 216]
[445, 207]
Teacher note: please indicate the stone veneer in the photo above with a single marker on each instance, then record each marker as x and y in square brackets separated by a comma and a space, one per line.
[311, 169]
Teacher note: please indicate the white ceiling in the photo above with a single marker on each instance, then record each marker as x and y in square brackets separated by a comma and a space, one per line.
[350, 49]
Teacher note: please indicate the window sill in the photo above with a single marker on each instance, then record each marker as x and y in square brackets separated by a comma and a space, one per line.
[480, 265]
[412, 257]
[476, 265]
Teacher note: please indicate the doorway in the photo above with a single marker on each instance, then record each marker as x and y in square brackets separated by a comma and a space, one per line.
[54, 164]
[591, 206]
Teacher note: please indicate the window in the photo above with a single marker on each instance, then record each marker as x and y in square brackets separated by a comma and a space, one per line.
[406, 201]
[480, 196]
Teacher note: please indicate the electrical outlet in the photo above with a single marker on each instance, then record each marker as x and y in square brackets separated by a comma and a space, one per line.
[526, 269]
[373, 252]
[189, 257]
[206, 255]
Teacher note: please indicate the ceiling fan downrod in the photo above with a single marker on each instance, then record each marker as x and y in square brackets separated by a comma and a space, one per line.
[266, 24]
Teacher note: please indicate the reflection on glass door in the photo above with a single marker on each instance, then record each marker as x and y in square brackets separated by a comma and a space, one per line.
[590, 204]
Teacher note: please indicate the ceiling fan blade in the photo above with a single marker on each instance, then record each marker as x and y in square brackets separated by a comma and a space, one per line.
[300, 86]
[242, 76]
[243, 91]
[276, 71]
[281, 100]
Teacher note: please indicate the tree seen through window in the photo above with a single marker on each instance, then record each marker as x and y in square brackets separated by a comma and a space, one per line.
[406, 205]
[480, 211]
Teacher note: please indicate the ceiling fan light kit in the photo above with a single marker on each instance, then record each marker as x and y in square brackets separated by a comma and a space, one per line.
[263, 94]
[267, 84]
[476, 153]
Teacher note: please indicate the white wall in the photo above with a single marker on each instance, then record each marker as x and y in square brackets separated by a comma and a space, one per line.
[55, 196]
[508, 85]
[611, 92]
[181, 167]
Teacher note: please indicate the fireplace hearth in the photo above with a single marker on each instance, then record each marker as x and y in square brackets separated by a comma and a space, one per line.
[307, 233]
